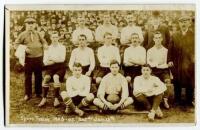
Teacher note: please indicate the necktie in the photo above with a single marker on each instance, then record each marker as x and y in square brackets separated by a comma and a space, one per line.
[31, 36]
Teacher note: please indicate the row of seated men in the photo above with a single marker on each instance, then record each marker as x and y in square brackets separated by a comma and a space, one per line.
[114, 90]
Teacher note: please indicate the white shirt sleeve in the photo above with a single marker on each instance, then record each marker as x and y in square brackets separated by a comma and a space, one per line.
[101, 89]
[69, 88]
[143, 56]
[74, 37]
[118, 58]
[100, 56]
[46, 57]
[140, 33]
[164, 65]
[150, 59]
[62, 55]
[137, 86]
[92, 61]
[126, 57]
[98, 34]
[124, 84]
[89, 35]
[72, 60]
[123, 37]
[115, 32]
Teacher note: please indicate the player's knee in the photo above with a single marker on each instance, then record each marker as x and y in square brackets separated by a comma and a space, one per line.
[96, 101]
[129, 100]
[168, 81]
[64, 94]
[128, 78]
[90, 97]
[98, 80]
[46, 79]
[56, 78]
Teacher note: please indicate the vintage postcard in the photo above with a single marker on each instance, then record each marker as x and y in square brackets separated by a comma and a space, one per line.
[100, 65]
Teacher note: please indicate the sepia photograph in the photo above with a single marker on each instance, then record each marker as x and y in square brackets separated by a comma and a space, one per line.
[100, 65]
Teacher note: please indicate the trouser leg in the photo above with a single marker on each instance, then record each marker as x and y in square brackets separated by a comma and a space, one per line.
[28, 77]
[38, 76]
[143, 99]
[156, 101]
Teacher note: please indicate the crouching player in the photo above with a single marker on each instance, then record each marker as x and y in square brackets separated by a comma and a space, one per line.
[54, 60]
[148, 87]
[77, 94]
[113, 90]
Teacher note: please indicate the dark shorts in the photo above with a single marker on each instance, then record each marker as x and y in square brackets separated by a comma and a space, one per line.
[163, 74]
[101, 72]
[132, 71]
[77, 100]
[85, 69]
[58, 68]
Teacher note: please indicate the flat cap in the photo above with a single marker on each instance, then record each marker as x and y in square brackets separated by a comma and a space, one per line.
[184, 18]
[29, 19]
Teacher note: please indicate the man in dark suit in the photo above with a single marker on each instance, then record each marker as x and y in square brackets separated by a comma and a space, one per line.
[182, 50]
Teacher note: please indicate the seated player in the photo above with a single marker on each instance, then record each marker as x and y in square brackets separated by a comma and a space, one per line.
[134, 58]
[77, 94]
[157, 57]
[113, 90]
[105, 55]
[84, 55]
[54, 60]
[147, 86]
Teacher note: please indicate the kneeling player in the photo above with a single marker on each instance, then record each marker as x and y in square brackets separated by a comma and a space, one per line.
[147, 86]
[54, 60]
[77, 92]
[113, 90]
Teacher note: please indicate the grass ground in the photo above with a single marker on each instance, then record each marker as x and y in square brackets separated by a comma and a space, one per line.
[23, 113]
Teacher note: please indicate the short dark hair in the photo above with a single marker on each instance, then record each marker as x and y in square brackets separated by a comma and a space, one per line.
[156, 13]
[54, 32]
[157, 32]
[77, 64]
[83, 35]
[107, 33]
[114, 62]
[146, 65]
[134, 34]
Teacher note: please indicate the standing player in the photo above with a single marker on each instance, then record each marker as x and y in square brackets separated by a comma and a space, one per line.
[54, 59]
[156, 25]
[157, 58]
[130, 29]
[134, 58]
[81, 29]
[147, 86]
[113, 90]
[35, 45]
[77, 94]
[83, 55]
[106, 54]
[106, 27]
